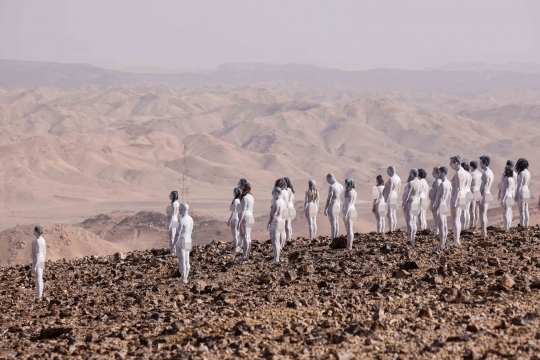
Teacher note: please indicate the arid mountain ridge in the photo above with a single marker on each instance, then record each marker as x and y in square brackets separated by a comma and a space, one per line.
[77, 141]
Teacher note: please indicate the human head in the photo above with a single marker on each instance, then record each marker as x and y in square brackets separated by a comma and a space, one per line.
[276, 193]
[289, 184]
[173, 196]
[474, 165]
[312, 184]
[422, 173]
[484, 161]
[349, 184]
[245, 190]
[455, 162]
[241, 183]
[38, 231]
[465, 166]
[330, 178]
[184, 208]
[281, 183]
[413, 174]
[508, 172]
[236, 193]
[443, 172]
[380, 180]
[521, 165]
[391, 171]
[509, 163]
[435, 172]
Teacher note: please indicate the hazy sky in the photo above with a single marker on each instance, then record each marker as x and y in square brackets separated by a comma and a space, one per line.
[203, 34]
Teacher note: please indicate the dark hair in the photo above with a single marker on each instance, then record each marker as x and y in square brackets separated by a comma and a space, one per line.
[474, 164]
[246, 189]
[349, 184]
[242, 182]
[485, 160]
[237, 192]
[508, 172]
[313, 194]
[39, 230]
[281, 183]
[444, 170]
[380, 180]
[521, 165]
[465, 165]
[509, 163]
[174, 196]
[414, 172]
[455, 159]
[422, 173]
[289, 184]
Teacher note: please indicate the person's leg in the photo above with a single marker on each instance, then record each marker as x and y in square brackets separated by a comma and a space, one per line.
[483, 208]
[332, 222]
[509, 216]
[414, 228]
[314, 222]
[247, 244]
[38, 276]
[467, 217]
[172, 236]
[435, 223]
[456, 219]
[378, 220]
[276, 238]
[408, 219]
[288, 230]
[423, 221]
[350, 233]
[525, 215]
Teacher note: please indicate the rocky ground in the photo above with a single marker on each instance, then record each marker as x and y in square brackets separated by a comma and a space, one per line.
[383, 300]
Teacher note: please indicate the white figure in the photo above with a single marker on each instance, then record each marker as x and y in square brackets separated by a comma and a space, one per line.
[391, 193]
[39, 253]
[246, 220]
[333, 203]
[379, 204]
[172, 219]
[291, 210]
[282, 184]
[233, 222]
[476, 180]
[276, 224]
[183, 242]
[411, 204]
[510, 164]
[424, 195]
[311, 207]
[459, 192]
[485, 192]
[523, 194]
[442, 205]
[507, 197]
[349, 211]
[433, 197]
[465, 214]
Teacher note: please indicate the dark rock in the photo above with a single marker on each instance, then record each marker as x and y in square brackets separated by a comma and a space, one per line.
[53, 332]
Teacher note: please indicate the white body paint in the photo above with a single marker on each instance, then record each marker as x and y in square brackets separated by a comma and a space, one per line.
[311, 208]
[333, 205]
[441, 207]
[246, 221]
[523, 180]
[234, 224]
[411, 195]
[39, 254]
[459, 191]
[424, 193]
[172, 224]
[349, 215]
[276, 225]
[507, 200]
[288, 223]
[485, 192]
[432, 198]
[183, 242]
[375, 209]
[474, 211]
[391, 190]
[465, 214]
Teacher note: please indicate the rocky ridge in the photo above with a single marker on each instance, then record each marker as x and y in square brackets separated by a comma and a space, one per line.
[382, 300]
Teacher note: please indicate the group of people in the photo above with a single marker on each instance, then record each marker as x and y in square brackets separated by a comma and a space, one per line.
[466, 197]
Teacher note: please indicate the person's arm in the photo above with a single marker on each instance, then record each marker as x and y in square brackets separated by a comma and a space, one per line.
[34, 257]
[438, 198]
[306, 202]
[273, 213]
[504, 190]
[406, 195]
[458, 189]
[180, 229]
[233, 213]
[330, 195]
[318, 201]
[386, 191]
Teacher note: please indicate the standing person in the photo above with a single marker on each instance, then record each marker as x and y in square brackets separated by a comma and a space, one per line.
[349, 211]
[465, 214]
[39, 253]
[276, 224]
[441, 206]
[246, 220]
[485, 192]
[290, 207]
[433, 197]
[391, 193]
[459, 183]
[510, 164]
[424, 189]
[411, 194]
[282, 184]
[476, 180]
[233, 222]
[507, 197]
[183, 242]
[311, 207]
[522, 191]
[379, 201]
[172, 219]
[333, 204]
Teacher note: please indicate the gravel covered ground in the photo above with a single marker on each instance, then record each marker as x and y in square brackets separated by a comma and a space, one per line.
[383, 300]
